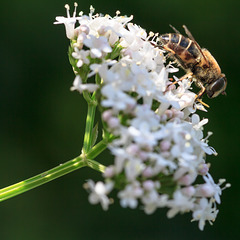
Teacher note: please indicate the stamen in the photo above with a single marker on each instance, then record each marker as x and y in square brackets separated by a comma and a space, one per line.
[151, 34]
[228, 185]
[92, 10]
[75, 9]
[67, 8]
[221, 181]
[155, 37]
[208, 135]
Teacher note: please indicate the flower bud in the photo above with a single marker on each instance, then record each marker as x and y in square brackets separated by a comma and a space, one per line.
[148, 185]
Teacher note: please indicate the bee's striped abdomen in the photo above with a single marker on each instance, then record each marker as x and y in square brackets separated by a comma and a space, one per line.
[183, 48]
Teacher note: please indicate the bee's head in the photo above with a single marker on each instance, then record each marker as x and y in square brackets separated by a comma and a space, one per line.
[217, 87]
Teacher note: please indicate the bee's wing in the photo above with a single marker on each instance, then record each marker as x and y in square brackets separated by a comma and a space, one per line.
[174, 29]
[192, 38]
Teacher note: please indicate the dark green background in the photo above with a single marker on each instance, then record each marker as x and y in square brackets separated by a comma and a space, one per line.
[41, 123]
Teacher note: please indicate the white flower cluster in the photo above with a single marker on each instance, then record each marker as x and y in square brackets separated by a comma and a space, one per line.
[159, 149]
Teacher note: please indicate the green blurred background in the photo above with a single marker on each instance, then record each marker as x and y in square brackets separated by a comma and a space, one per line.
[41, 123]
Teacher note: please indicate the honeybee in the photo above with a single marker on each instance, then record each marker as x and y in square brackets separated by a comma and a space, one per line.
[198, 63]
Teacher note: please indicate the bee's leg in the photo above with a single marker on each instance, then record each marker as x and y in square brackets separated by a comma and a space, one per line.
[202, 91]
[199, 95]
[203, 103]
[169, 50]
[188, 75]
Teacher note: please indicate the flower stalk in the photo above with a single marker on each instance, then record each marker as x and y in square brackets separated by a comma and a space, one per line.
[84, 160]
[42, 178]
[54, 173]
[92, 104]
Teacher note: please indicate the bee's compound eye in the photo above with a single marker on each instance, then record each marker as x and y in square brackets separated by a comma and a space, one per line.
[217, 87]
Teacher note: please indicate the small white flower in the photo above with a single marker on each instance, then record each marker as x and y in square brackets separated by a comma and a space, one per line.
[205, 190]
[120, 158]
[145, 119]
[129, 196]
[143, 136]
[102, 69]
[115, 98]
[181, 97]
[98, 193]
[161, 164]
[151, 201]
[79, 86]
[197, 124]
[133, 38]
[82, 56]
[216, 191]
[160, 79]
[180, 203]
[204, 211]
[133, 168]
[97, 46]
[69, 22]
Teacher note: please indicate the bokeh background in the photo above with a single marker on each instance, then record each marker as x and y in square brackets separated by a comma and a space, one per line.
[42, 122]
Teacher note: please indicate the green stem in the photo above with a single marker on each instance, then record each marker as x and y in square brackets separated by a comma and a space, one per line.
[97, 149]
[95, 165]
[85, 159]
[42, 178]
[59, 171]
[92, 104]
